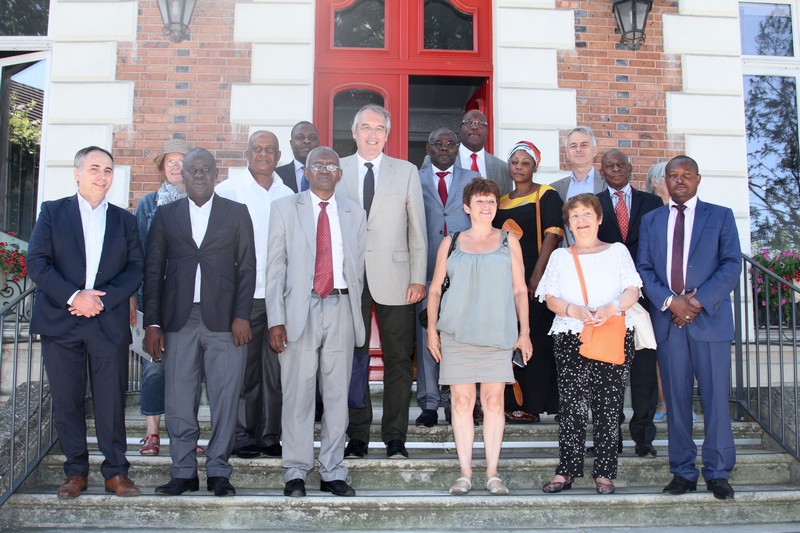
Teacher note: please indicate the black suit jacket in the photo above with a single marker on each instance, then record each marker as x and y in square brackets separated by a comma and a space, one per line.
[641, 204]
[57, 264]
[287, 174]
[227, 264]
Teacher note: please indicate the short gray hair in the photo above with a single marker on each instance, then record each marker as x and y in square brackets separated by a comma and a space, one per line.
[81, 154]
[655, 175]
[581, 129]
[375, 108]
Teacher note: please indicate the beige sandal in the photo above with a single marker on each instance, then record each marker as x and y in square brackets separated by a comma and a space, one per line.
[496, 487]
[462, 486]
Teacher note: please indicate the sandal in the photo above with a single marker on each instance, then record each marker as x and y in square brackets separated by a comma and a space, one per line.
[200, 451]
[661, 412]
[151, 445]
[495, 486]
[553, 486]
[604, 486]
[462, 486]
[521, 417]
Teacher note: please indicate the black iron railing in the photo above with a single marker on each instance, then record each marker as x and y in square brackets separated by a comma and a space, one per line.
[766, 366]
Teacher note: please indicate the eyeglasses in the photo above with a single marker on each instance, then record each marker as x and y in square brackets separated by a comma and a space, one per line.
[367, 129]
[174, 163]
[319, 168]
[191, 171]
[474, 123]
[439, 144]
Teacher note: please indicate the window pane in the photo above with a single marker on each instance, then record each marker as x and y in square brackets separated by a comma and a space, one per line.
[28, 17]
[447, 28]
[345, 106]
[772, 161]
[360, 26]
[766, 29]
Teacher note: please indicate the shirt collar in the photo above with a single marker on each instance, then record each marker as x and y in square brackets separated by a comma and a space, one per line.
[449, 170]
[466, 152]
[626, 190]
[83, 204]
[205, 206]
[691, 203]
[316, 199]
[298, 165]
[375, 162]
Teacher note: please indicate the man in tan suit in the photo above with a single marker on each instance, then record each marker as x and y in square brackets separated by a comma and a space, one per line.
[390, 192]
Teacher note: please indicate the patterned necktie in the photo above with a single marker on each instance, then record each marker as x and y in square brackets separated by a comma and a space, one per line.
[474, 167]
[323, 266]
[443, 192]
[369, 187]
[622, 214]
[676, 270]
[303, 179]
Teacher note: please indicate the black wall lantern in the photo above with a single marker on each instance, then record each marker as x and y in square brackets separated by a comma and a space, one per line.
[176, 14]
[631, 18]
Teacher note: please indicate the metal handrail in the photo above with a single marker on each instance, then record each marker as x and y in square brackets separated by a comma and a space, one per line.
[766, 362]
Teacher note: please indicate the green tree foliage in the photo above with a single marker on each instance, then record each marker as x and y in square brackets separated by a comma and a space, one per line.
[23, 130]
[23, 17]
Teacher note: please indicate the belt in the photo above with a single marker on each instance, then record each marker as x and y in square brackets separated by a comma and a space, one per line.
[333, 291]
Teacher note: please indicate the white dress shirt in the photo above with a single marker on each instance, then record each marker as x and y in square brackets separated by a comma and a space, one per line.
[199, 217]
[448, 179]
[465, 156]
[362, 172]
[337, 248]
[626, 194]
[258, 201]
[689, 212]
[94, 233]
[299, 174]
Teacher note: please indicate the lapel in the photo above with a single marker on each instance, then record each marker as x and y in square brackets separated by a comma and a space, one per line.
[636, 206]
[305, 212]
[458, 183]
[350, 178]
[112, 221]
[74, 213]
[183, 221]
[700, 218]
[215, 219]
[385, 177]
[426, 177]
[348, 243]
[661, 227]
[609, 215]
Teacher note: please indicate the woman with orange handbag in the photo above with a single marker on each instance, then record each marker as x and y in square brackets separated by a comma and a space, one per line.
[589, 286]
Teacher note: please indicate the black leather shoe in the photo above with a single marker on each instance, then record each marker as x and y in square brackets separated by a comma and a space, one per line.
[356, 448]
[428, 418]
[395, 449]
[177, 486]
[295, 488]
[220, 486]
[273, 450]
[645, 450]
[721, 488]
[337, 487]
[680, 485]
[249, 451]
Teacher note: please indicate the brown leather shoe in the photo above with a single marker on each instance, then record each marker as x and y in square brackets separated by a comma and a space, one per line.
[72, 487]
[122, 485]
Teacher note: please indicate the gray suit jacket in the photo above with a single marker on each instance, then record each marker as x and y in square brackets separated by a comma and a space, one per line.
[397, 245]
[562, 186]
[437, 214]
[496, 168]
[291, 258]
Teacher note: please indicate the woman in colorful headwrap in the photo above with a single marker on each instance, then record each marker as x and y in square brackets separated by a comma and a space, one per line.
[532, 212]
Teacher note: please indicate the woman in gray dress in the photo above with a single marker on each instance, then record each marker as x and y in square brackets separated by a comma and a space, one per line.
[484, 317]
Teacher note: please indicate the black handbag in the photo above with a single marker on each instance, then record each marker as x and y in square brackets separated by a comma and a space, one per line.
[423, 315]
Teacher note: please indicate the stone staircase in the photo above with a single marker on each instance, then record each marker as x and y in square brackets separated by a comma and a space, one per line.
[412, 494]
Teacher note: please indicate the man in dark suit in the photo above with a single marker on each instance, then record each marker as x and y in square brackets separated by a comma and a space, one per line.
[442, 187]
[390, 192]
[473, 132]
[690, 260]
[200, 274]
[86, 260]
[305, 138]
[623, 209]
[315, 276]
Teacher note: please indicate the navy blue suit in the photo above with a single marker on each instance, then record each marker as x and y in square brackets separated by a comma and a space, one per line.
[57, 264]
[702, 348]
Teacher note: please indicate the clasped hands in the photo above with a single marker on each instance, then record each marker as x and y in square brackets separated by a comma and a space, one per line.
[684, 308]
[595, 316]
[87, 303]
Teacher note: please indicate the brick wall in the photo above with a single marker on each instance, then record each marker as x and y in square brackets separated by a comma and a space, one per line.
[622, 93]
[182, 90]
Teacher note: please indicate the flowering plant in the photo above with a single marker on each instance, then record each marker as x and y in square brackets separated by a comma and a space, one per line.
[12, 259]
[785, 264]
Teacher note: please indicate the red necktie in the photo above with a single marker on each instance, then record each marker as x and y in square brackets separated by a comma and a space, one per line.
[323, 267]
[474, 157]
[443, 192]
[676, 270]
[622, 214]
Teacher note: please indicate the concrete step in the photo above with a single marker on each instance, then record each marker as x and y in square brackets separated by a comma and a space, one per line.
[433, 470]
[380, 510]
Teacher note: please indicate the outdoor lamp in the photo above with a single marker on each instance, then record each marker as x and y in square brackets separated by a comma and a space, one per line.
[176, 14]
[631, 18]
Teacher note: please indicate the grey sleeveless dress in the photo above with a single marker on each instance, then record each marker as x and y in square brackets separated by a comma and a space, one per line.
[478, 322]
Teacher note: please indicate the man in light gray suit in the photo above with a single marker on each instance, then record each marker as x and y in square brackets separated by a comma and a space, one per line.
[442, 188]
[390, 192]
[581, 149]
[315, 276]
[473, 133]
